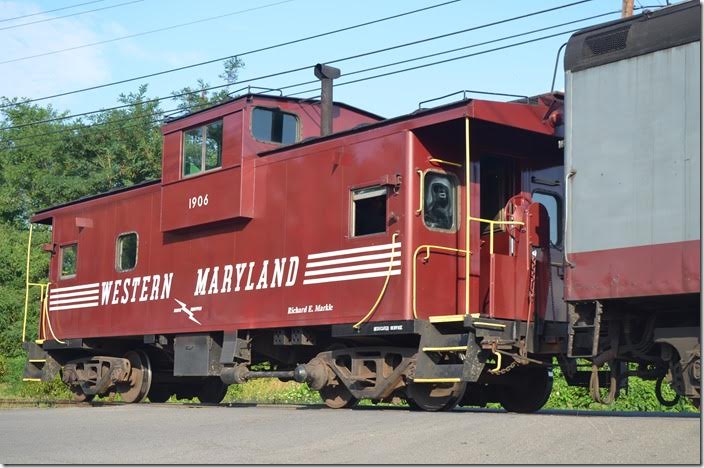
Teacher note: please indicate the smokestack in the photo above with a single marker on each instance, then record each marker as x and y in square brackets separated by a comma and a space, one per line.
[326, 74]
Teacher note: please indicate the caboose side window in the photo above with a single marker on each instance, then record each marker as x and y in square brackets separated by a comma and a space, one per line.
[368, 211]
[202, 148]
[126, 252]
[440, 201]
[69, 260]
[551, 203]
[274, 126]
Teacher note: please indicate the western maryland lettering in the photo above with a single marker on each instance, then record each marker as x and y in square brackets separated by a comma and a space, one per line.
[247, 276]
[136, 289]
[282, 272]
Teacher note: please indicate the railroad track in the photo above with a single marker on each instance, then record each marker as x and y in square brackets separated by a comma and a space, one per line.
[5, 402]
[43, 402]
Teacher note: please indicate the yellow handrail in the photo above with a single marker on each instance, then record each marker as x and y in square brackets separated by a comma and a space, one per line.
[466, 251]
[421, 192]
[427, 256]
[43, 297]
[467, 195]
[48, 319]
[26, 285]
[492, 223]
[442, 161]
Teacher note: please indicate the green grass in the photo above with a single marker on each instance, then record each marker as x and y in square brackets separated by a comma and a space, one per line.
[640, 395]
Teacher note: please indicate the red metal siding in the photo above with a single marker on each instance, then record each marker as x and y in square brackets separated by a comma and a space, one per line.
[283, 207]
[649, 270]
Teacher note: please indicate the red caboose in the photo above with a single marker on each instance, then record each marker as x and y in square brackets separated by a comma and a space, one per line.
[358, 261]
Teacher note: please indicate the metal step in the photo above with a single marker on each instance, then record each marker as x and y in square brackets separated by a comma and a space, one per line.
[438, 340]
[583, 338]
[39, 366]
[440, 373]
[446, 318]
[444, 349]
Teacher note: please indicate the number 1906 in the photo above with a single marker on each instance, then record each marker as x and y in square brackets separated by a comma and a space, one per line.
[198, 201]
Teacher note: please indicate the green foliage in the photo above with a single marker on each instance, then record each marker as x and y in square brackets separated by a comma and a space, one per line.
[272, 391]
[193, 99]
[13, 255]
[12, 386]
[640, 396]
[4, 369]
[56, 161]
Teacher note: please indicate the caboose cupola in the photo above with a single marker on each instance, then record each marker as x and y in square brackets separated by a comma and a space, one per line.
[209, 157]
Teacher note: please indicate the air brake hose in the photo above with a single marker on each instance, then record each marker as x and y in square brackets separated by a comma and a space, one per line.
[383, 289]
[594, 386]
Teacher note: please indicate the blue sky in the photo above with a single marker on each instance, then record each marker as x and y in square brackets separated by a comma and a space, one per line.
[524, 70]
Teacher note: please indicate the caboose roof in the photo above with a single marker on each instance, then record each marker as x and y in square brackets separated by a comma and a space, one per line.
[530, 115]
[527, 114]
[249, 96]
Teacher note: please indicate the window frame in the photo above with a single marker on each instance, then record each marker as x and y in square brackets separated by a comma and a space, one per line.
[275, 109]
[371, 194]
[117, 252]
[558, 201]
[62, 247]
[455, 222]
[203, 127]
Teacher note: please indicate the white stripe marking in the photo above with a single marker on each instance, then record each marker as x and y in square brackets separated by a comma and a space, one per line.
[358, 258]
[88, 292]
[74, 306]
[337, 253]
[80, 286]
[330, 279]
[366, 266]
[73, 300]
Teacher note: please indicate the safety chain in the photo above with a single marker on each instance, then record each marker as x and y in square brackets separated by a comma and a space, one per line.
[531, 287]
[523, 348]
[505, 370]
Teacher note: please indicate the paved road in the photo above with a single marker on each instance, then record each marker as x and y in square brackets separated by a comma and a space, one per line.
[193, 434]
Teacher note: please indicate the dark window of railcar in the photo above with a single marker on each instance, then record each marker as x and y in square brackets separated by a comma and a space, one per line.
[202, 148]
[69, 260]
[440, 201]
[274, 126]
[126, 252]
[368, 211]
[552, 204]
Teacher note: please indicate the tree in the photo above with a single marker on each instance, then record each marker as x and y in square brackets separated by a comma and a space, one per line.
[194, 99]
[45, 164]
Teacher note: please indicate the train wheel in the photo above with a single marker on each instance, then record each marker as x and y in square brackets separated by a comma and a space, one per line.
[530, 394]
[434, 397]
[140, 380]
[159, 393]
[335, 395]
[79, 395]
[212, 391]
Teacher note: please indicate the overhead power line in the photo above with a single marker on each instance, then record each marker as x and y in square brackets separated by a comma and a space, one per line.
[292, 70]
[395, 72]
[143, 33]
[50, 11]
[241, 54]
[67, 16]
[457, 49]
[513, 36]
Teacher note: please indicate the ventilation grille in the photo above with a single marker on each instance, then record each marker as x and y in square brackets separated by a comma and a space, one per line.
[608, 41]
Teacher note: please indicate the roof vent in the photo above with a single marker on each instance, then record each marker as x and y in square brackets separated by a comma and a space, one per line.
[608, 41]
